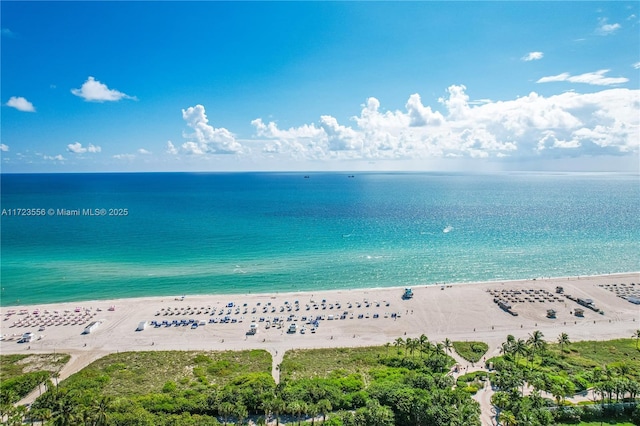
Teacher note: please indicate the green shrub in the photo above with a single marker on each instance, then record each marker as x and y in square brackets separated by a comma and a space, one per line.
[471, 351]
[16, 388]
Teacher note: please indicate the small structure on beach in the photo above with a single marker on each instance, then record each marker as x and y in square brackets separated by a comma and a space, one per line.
[506, 307]
[586, 302]
[253, 329]
[91, 327]
[579, 312]
[559, 289]
[408, 293]
[551, 313]
[141, 326]
[27, 337]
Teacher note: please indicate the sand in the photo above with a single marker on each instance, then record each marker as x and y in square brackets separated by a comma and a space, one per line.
[459, 312]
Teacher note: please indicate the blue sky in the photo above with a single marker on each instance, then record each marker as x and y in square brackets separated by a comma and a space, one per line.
[170, 86]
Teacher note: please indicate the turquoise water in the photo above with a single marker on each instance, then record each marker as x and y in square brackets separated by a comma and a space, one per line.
[197, 233]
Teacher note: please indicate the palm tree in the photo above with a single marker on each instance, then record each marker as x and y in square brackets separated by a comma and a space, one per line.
[636, 334]
[87, 416]
[387, 345]
[536, 341]
[41, 414]
[313, 411]
[557, 392]
[16, 417]
[278, 407]
[65, 412]
[508, 347]
[267, 407]
[399, 343]
[519, 348]
[241, 412]
[407, 344]
[375, 414]
[297, 408]
[225, 409]
[447, 345]
[507, 418]
[101, 408]
[424, 343]
[412, 345]
[563, 339]
[324, 406]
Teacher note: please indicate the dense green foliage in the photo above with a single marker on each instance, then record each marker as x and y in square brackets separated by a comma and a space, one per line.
[611, 369]
[20, 374]
[399, 384]
[471, 382]
[402, 385]
[322, 362]
[471, 351]
[135, 373]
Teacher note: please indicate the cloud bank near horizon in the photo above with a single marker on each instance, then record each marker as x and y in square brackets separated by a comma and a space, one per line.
[533, 126]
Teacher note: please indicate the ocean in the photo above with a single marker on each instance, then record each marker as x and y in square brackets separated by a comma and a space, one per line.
[72, 237]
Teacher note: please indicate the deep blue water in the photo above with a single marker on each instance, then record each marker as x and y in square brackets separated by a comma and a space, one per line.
[187, 233]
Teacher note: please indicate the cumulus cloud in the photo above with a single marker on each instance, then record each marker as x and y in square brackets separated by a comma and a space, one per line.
[94, 91]
[419, 115]
[21, 104]
[205, 138]
[58, 157]
[144, 151]
[596, 78]
[4, 148]
[527, 127]
[532, 56]
[77, 148]
[604, 28]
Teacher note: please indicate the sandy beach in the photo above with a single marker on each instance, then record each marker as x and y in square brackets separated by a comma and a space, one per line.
[369, 317]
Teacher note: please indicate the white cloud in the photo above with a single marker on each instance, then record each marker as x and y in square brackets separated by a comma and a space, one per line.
[636, 65]
[532, 56]
[21, 104]
[144, 151]
[58, 157]
[77, 148]
[419, 115]
[94, 91]
[527, 127]
[596, 78]
[206, 139]
[171, 149]
[127, 157]
[4, 148]
[605, 28]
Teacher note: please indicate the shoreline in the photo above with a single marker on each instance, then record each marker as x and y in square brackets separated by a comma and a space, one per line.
[4, 308]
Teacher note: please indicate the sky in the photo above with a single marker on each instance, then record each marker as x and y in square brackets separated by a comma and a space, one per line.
[288, 86]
